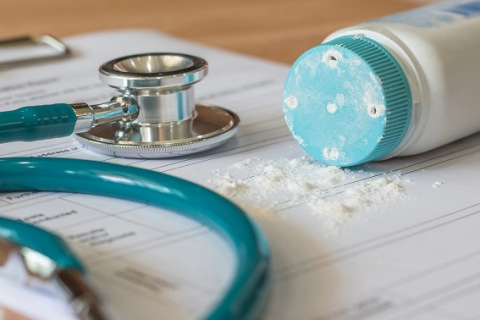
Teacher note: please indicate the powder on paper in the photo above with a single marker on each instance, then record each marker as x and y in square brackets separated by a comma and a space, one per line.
[329, 192]
[437, 184]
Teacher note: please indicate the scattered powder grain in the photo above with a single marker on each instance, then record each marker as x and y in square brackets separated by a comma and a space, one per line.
[437, 184]
[329, 192]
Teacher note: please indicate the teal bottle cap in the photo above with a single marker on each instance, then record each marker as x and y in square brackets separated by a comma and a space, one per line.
[347, 101]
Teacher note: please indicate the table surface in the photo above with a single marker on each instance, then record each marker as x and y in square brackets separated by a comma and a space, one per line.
[278, 30]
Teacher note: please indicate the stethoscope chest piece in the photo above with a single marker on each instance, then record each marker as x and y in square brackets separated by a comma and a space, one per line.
[169, 122]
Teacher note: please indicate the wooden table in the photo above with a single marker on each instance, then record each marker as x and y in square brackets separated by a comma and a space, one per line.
[273, 29]
[278, 30]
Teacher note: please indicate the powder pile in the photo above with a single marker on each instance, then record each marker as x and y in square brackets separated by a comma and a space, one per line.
[329, 192]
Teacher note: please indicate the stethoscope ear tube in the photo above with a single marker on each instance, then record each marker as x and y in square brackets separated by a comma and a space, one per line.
[249, 286]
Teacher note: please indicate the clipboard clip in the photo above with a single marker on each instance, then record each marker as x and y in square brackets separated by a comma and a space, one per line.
[29, 49]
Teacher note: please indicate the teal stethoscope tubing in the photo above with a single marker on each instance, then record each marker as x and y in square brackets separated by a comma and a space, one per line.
[249, 287]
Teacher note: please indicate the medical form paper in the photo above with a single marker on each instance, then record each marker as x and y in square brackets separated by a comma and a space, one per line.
[417, 258]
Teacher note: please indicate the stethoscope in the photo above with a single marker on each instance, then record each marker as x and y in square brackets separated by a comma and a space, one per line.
[154, 117]
[156, 90]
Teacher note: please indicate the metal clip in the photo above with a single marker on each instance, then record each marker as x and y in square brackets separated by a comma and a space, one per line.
[27, 49]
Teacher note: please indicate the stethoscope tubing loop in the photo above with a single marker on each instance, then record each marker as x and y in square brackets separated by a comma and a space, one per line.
[249, 286]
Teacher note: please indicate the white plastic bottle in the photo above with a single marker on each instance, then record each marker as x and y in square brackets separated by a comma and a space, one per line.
[395, 86]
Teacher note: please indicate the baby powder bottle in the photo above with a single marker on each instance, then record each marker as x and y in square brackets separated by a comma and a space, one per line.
[395, 86]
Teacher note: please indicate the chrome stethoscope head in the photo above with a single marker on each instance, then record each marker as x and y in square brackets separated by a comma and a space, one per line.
[168, 123]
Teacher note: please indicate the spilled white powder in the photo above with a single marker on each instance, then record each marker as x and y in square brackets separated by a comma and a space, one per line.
[437, 184]
[333, 194]
[340, 99]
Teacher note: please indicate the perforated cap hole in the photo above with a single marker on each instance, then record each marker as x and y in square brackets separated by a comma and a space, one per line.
[375, 111]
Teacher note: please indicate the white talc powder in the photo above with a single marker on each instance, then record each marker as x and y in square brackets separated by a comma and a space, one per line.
[331, 193]
[437, 184]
